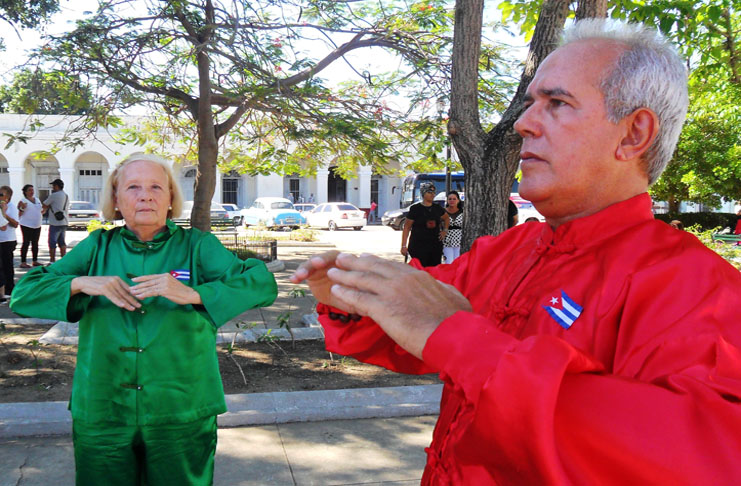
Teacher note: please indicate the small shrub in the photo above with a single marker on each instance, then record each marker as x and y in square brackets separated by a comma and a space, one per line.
[95, 224]
[706, 221]
[728, 251]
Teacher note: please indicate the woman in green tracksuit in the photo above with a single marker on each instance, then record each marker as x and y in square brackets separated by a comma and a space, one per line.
[149, 297]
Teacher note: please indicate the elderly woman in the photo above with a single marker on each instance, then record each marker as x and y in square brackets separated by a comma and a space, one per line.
[427, 223]
[149, 297]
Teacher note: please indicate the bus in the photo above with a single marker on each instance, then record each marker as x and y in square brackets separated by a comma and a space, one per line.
[411, 183]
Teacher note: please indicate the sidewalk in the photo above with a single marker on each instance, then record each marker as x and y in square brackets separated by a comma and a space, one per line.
[388, 451]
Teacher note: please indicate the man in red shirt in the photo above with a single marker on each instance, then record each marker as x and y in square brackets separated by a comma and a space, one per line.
[600, 347]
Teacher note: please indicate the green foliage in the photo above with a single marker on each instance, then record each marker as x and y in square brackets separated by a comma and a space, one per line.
[27, 13]
[729, 251]
[45, 93]
[707, 164]
[705, 221]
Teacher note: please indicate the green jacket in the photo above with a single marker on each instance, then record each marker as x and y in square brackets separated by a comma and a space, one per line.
[158, 366]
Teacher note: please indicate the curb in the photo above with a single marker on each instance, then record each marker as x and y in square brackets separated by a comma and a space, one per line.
[53, 418]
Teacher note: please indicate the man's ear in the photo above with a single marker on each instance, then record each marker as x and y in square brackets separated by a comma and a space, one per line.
[641, 128]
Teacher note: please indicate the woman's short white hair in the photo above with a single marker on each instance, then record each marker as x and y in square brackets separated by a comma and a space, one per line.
[108, 206]
[649, 74]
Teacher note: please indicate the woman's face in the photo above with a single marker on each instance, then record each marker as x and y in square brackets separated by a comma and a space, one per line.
[143, 195]
[29, 192]
[453, 201]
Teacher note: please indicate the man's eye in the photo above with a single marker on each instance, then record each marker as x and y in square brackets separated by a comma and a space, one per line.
[557, 103]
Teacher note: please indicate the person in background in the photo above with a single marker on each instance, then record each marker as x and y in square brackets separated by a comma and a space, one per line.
[29, 209]
[57, 204]
[602, 347]
[427, 223]
[150, 297]
[372, 212]
[513, 216]
[737, 231]
[677, 224]
[452, 242]
[8, 239]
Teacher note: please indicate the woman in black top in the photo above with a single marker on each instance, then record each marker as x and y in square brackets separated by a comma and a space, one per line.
[428, 224]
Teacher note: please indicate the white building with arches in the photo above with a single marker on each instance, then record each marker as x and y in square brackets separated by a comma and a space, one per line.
[84, 169]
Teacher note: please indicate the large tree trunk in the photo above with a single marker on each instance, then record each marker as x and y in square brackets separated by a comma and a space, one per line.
[208, 146]
[490, 160]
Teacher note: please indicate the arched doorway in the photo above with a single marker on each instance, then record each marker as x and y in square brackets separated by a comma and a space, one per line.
[44, 171]
[336, 187]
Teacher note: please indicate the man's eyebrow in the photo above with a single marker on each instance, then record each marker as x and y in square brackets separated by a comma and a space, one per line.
[555, 92]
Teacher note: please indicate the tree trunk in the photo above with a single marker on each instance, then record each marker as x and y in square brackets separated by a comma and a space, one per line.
[591, 9]
[208, 146]
[490, 160]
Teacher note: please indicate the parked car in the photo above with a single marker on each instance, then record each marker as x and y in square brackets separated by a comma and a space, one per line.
[525, 209]
[273, 212]
[336, 215]
[304, 208]
[232, 212]
[218, 213]
[81, 213]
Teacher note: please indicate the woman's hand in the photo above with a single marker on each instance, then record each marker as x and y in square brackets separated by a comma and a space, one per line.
[404, 251]
[113, 288]
[164, 285]
[443, 234]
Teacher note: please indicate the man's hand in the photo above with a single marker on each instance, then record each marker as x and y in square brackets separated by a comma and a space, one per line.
[407, 303]
[164, 285]
[115, 289]
[314, 272]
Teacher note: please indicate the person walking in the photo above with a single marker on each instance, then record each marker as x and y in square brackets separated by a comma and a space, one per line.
[29, 209]
[452, 242]
[8, 239]
[56, 205]
[372, 213]
[428, 224]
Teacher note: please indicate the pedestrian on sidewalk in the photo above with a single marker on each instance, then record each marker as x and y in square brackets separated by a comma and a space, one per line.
[56, 207]
[8, 239]
[425, 228]
[149, 296]
[29, 209]
[600, 347]
[452, 242]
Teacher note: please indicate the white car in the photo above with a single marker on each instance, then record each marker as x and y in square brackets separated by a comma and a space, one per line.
[525, 209]
[336, 215]
[273, 212]
[80, 213]
[304, 207]
[217, 212]
[232, 212]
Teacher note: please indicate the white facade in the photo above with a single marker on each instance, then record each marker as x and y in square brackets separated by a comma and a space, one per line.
[85, 169]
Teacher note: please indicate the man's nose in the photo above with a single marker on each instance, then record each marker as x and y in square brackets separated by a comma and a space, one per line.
[528, 124]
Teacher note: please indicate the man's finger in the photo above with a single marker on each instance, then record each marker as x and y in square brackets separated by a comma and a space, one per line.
[310, 266]
[372, 263]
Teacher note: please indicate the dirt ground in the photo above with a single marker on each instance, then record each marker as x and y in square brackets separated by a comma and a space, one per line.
[34, 372]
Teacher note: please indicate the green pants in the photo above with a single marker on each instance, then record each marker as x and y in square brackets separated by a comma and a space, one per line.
[157, 455]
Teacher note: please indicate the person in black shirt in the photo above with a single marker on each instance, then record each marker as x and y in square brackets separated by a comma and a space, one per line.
[428, 224]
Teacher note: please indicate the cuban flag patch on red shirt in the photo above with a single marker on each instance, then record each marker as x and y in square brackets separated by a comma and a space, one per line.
[182, 275]
[566, 313]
